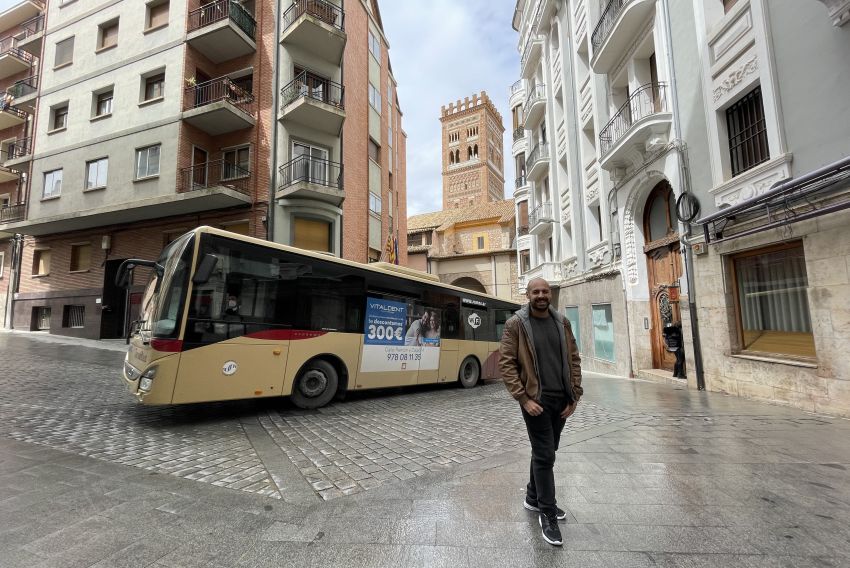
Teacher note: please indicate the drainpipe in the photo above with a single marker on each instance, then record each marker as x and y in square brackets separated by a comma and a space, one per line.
[270, 214]
[686, 181]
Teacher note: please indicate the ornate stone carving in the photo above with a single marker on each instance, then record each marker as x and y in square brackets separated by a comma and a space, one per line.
[839, 11]
[598, 256]
[640, 189]
[570, 268]
[735, 77]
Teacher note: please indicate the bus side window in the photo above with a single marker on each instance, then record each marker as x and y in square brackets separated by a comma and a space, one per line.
[451, 324]
[502, 316]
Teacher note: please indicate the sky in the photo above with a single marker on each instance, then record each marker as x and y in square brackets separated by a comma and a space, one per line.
[447, 51]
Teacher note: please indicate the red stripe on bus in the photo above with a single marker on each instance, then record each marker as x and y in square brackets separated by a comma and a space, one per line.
[167, 345]
[285, 334]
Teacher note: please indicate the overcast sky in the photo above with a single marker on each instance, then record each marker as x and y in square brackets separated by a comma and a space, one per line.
[442, 51]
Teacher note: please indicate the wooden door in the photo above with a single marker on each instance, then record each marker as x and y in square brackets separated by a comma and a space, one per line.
[664, 268]
[199, 167]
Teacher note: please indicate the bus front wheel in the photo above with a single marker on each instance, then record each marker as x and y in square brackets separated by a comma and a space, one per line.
[315, 386]
[469, 373]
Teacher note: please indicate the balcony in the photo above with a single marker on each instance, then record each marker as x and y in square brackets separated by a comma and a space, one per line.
[8, 174]
[549, 271]
[215, 174]
[535, 106]
[540, 218]
[640, 122]
[517, 95]
[24, 93]
[314, 178]
[317, 27]
[519, 144]
[12, 213]
[11, 116]
[537, 162]
[17, 154]
[315, 102]
[32, 36]
[531, 53]
[616, 30]
[13, 60]
[521, 188]
[221, 31]
[218, 106]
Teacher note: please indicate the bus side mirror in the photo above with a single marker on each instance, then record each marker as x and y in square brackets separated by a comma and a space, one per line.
[205, 269]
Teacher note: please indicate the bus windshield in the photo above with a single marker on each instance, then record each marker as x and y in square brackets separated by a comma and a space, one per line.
[161, 309]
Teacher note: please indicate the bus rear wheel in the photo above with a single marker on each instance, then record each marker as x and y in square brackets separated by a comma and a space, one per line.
[469, 372]
[315, 386]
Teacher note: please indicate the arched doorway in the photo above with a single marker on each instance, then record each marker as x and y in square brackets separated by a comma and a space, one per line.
[470, 284]
[664, 267]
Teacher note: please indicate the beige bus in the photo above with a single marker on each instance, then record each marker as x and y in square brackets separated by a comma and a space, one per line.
[225, 317]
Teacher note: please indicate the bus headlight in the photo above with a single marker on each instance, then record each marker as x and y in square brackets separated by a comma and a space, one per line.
[146, 382]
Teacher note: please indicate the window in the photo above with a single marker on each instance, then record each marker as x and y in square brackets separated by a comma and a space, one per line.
[52, 184]
[241, 228]
[147, 161]
[103, 103]
[107, 35]
[571, 313]
[603, 332]
[73, 316]
[375, 98]
[80, 257]
[374, 255]
[64, 52]
[374, 203]
[727, 5]
[374, 46]
[154, 87]
[41, 318]
[59, 117]
[524, 261]
[311, 234]
[41, 262]
[479, 241]
[747, 131]
[771, 301]
[96, 173]
[237, 162]
[157, 15]
[374, 151]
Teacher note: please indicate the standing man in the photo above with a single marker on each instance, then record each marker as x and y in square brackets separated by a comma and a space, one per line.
[541, 368]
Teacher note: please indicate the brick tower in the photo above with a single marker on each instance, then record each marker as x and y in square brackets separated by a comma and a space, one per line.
[473, 162]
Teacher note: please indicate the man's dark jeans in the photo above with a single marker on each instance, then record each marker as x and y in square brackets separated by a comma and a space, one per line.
[544, 433]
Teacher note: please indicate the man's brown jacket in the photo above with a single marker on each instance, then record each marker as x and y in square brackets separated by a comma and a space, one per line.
[518, 360]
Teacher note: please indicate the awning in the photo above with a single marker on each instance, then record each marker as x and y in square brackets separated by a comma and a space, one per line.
[789, 201]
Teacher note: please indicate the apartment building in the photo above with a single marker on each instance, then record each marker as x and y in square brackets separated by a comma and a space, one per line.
[152, 118]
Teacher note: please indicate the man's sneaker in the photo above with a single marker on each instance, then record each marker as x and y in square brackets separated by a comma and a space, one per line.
[551, 532]
[561, 513]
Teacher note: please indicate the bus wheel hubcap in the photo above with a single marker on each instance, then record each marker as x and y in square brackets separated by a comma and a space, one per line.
[314, 383]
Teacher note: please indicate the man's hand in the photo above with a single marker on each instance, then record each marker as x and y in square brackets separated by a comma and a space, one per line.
[568, 411]
[532, 407]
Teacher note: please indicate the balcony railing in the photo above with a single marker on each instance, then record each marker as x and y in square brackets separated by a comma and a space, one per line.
[324, 11]
[221, 89]
[32, 27]
[520, 181]
[534, 93]
[606, 23]
[23, 87]
[9, 46]
[218, 173]
[9, 213]
[540, 152]
[647, 100]
[19, 148]
[6, 107]
[313, 87]
[516, 86]
[310, 169]
[219, 10]
[519, 133]
[540, 214]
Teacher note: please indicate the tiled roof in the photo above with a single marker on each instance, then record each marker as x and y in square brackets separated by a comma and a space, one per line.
[501, 210]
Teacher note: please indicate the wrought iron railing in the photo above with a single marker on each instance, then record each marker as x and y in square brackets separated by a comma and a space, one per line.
[540, 153]
[219, 10]
[517, 86]
[541, 214]
[535, 93]
[6, 106]
[314, 87]
[9, 213]
[23, 87]
[9, 46]
[606, 22]
[520, 181]
[647, 100]
[218, 173]
[19, 148]
[519, 133]
[215, 90]
[311, 170]
[32, 27]
[325, 11]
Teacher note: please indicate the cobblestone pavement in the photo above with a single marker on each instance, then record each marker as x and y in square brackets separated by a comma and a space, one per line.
[342, 449]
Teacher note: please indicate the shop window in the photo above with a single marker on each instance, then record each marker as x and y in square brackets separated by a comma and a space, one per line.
[603, 332]
[571, 313]
[771, 301]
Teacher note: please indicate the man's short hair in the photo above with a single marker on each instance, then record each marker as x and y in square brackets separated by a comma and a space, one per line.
[528, 286]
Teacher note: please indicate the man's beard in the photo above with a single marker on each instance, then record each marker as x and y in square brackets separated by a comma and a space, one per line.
[537, 306]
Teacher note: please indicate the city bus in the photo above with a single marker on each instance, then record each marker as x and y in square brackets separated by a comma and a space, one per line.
[226, 317]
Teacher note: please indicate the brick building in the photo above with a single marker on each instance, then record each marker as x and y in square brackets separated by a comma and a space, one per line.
[275, 119]
[473, 163]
